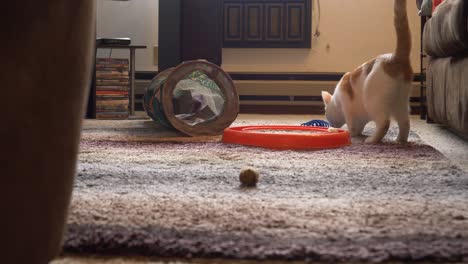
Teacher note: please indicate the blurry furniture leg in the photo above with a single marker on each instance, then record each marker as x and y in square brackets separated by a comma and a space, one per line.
[132, 82]
[45, 72]
[91, 105]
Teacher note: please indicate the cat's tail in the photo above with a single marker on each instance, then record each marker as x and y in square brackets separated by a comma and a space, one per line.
[403, 33]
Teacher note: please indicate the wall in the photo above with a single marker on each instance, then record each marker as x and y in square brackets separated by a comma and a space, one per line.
[352, 32]
[136, 19]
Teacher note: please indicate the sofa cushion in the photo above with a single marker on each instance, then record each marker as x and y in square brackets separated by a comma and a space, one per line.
[446, 33]
[447, 92]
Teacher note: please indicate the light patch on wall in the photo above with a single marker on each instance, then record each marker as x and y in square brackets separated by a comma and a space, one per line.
[136, 19]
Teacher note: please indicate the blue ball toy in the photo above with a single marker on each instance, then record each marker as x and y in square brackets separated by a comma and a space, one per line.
[316, 123]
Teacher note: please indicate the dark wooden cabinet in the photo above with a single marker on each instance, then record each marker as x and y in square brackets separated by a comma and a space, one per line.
[202, 29]
[170, 34]
[190, 30]
[267, 23]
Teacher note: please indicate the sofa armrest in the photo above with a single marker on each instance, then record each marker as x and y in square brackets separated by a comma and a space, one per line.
[446, 33]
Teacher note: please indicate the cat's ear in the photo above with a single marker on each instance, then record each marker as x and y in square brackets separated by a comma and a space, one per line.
[327, 97]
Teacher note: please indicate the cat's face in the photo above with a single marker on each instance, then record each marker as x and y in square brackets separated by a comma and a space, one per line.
[333, 113]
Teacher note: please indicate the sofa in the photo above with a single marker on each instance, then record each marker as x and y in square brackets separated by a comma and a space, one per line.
[445, 40]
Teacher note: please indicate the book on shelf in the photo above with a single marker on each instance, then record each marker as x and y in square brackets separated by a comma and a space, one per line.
[120, 68]
[117, 82]
[117, 79]
[112, 92]
[104, 109]
[111, 97]
[113, 102]
[112, 70]
[112, 75]
[111, 63]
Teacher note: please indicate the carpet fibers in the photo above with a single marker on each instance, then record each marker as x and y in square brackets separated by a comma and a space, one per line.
[142, 190]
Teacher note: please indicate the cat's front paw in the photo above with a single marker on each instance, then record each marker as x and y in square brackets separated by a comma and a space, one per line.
[356, 134]
[402, 140]
[371, 140]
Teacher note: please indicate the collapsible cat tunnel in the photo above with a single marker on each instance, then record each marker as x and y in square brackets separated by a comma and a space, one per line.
[196, 98]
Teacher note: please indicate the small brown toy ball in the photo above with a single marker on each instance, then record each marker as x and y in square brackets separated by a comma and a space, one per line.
[248, 177]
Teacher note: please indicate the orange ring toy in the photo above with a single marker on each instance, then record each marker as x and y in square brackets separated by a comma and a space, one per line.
[321, 139]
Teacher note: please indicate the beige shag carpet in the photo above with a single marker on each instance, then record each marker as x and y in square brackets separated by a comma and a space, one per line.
[147, 191]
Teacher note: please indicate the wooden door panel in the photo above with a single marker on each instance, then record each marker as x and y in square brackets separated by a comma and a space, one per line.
[233, 22]
[253, 17]
[274, 14]
[295, 22]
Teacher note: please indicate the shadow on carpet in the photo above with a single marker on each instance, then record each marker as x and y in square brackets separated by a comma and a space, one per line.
[142, 190]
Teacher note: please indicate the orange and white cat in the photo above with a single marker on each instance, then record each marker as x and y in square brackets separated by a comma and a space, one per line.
[378, 90]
